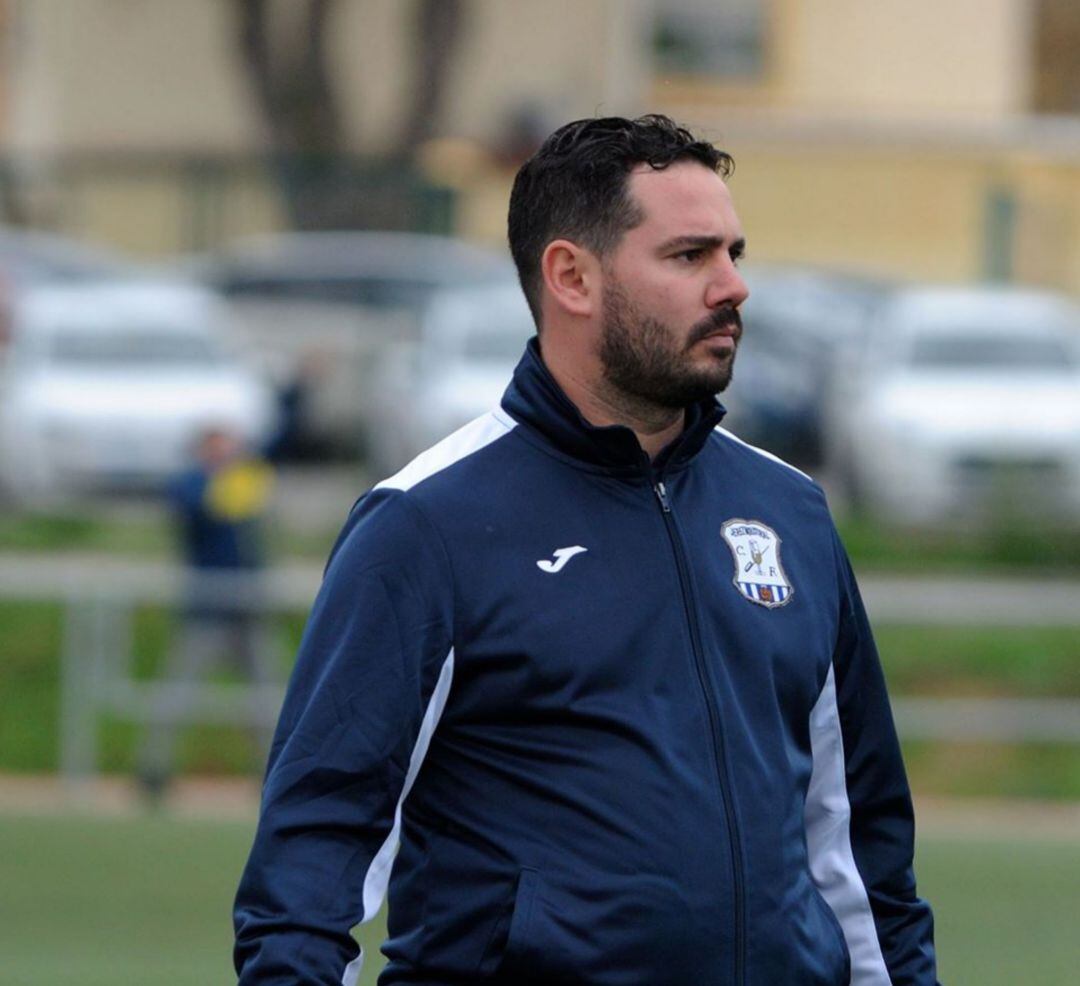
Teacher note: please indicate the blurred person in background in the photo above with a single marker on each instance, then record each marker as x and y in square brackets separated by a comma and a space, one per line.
[560, 666]
[218, 505]
[291, 439]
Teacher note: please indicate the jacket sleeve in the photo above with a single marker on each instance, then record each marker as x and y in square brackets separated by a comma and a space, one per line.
[371, 676]
[859, 819]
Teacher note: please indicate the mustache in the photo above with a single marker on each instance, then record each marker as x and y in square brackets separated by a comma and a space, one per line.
[725, 320]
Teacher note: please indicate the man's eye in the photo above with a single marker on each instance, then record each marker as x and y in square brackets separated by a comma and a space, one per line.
[691, 256]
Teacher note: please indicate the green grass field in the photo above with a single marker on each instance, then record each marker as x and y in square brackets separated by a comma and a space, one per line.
[110, 902]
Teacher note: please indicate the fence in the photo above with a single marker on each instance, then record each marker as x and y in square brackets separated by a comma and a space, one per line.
[97, 663]
[98, 677]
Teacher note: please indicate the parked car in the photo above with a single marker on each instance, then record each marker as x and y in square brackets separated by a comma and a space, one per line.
[422, 390]
[378, 270]
[316, 309]
[963, 403]
[796, 324]
[31, 257]
[797, 321]
[106, 385]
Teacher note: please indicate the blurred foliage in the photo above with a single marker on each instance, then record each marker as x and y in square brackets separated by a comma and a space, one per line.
[147, 535]
[29, 684]
[994, 547]
[1037, 771]
[82, 532]
[30, 645]
[978, 661]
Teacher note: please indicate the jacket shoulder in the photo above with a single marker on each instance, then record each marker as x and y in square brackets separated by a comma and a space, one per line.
[763, 460]
[461, 444]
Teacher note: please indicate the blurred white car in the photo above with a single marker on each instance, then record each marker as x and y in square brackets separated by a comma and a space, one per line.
[963, 403]
[470, 341]
[384, 271]
[29, 257]
[106, 386]
[797, 322]
[317, 309]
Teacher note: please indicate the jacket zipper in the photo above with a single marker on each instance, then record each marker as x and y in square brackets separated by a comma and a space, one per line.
[690, 609]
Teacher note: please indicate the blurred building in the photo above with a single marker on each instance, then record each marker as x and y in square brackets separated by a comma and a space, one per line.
[138, 121]
[930, 138]
[936, 139]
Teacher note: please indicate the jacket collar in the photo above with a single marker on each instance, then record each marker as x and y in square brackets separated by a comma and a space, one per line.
[535, 400]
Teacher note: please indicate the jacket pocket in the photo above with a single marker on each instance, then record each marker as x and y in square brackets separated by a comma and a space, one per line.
[511, 930]
[519, 937]
[829, 915]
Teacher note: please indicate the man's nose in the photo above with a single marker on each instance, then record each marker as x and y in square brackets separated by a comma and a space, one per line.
[726, 285]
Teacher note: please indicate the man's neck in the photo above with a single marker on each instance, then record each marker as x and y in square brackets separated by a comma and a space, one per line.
[602, 405]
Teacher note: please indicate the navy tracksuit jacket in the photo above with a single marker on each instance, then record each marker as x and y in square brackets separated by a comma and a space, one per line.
[624, 719]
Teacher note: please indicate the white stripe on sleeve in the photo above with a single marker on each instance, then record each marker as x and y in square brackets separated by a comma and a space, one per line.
[378, 874]
[828, 837]
[467, 439]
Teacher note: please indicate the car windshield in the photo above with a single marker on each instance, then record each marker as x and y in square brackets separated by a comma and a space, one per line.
[383, 293]
[990, 351]
[133, 348]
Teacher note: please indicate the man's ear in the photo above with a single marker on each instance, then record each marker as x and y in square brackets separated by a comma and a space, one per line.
[571, 276]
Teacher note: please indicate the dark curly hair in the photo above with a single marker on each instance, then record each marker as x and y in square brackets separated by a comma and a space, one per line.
[575, 186]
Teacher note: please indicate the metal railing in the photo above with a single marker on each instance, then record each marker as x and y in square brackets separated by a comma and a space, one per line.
[98, 678]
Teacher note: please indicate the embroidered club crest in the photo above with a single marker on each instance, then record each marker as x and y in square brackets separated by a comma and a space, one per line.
[759, 576]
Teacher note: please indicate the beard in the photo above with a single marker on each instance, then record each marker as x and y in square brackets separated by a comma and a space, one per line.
[644, 360]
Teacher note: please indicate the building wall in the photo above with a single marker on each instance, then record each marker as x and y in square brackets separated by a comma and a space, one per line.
[894, 136]
[885, 59]
[1047, 242]
[567, 58]
[914, 209]
[162, 207]
[904, 57]
[127, 75]
[148, 83]
[112, 101]
[167, 76]
[897, 210]
[908, 207]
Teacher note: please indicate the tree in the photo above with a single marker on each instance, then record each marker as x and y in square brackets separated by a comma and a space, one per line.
[291, 77]
[439, 26]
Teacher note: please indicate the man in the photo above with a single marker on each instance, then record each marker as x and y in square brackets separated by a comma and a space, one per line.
[218, 504]
[599, 668]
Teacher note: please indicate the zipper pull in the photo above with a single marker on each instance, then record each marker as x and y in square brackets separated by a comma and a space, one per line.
[661, 495]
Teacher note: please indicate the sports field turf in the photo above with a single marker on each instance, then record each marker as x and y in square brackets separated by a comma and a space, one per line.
[110, 902]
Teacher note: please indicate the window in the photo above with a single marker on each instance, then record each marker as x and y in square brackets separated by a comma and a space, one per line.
[992, 351]
[722, 38]
[119, 349]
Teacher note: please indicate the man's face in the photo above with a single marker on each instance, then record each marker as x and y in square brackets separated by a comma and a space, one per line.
[671, 292]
